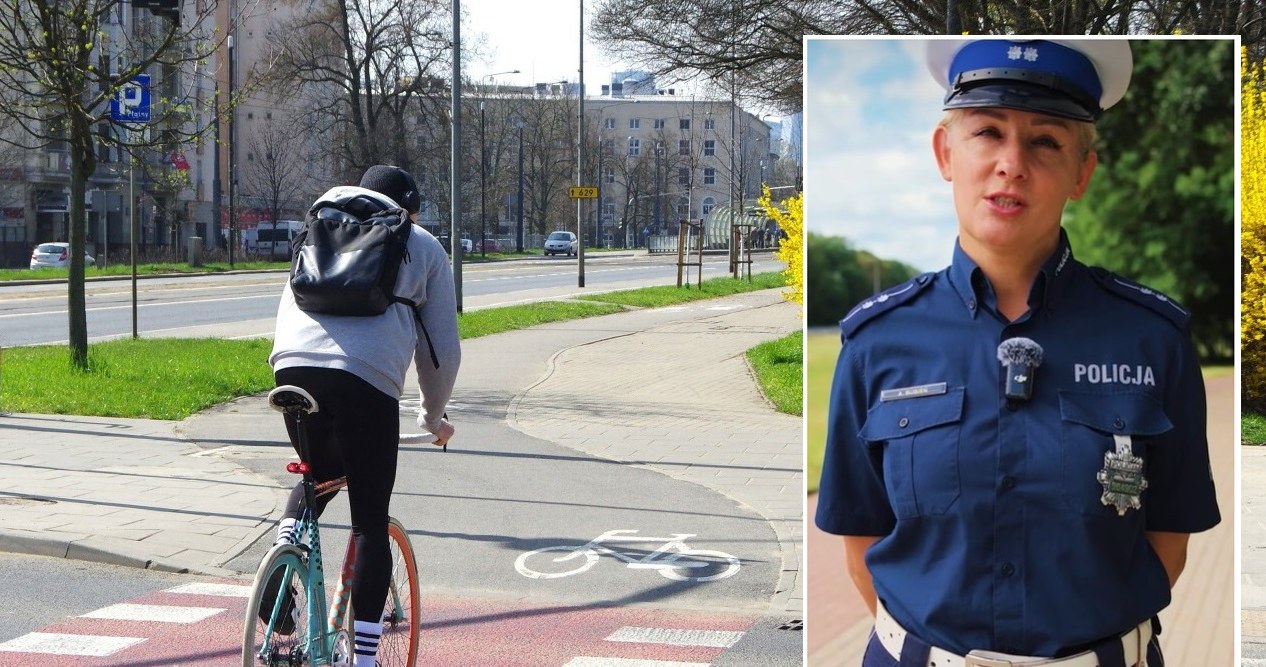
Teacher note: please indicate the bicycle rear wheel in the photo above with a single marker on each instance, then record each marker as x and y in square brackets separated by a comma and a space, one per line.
[265, 642]
[402, 613]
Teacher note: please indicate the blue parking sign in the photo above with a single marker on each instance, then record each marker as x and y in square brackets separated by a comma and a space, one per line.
[131, 103]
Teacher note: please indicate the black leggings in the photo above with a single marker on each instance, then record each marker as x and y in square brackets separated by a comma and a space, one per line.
[355, 433]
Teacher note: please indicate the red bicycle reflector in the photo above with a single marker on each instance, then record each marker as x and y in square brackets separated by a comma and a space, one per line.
[297, 467]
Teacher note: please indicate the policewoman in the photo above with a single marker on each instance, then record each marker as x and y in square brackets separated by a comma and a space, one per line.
[1016, 450]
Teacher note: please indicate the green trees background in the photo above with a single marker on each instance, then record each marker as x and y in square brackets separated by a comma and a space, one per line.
[839, 276]
[1161, 206]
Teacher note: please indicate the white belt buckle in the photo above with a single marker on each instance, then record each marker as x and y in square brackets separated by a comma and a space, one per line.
[982, 658]
[974, 659]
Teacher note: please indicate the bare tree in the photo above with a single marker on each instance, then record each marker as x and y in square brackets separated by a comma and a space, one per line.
[367, 63]
[59, 69]
[276, 171]
[754, 46]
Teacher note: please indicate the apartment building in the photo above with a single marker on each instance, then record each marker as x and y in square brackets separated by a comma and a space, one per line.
[657, 158]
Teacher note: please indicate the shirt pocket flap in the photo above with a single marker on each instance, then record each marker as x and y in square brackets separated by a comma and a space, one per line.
[1124, 413]
[891, 420]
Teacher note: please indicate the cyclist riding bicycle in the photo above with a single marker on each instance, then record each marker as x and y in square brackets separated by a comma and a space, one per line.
[355, 368]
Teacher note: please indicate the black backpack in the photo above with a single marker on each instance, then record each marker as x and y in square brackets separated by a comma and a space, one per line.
[346, 258]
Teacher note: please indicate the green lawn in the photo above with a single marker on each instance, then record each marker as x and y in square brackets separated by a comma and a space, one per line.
[1253, 428]
[667, 295]
[823, 348]
[779, 367]
[159, 378]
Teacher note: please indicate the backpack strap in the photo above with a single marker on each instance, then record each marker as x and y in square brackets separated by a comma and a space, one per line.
[418, 318]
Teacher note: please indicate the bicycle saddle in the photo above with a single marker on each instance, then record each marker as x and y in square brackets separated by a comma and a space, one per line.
[292, 399]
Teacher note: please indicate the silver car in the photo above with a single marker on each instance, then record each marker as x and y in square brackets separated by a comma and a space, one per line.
[55, 256]
[560, 243]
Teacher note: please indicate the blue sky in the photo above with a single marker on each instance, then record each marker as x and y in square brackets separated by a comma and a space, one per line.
[870, 176]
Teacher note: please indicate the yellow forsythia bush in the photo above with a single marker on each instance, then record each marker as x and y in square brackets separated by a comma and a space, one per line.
[1253, 233]
[789, 214]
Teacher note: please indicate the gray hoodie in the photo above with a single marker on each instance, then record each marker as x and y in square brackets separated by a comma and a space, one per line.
[378, 348]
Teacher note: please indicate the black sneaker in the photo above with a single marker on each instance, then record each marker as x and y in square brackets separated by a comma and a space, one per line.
[287, 616]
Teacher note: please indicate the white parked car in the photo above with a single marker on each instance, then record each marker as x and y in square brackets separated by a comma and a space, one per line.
[55, 256]
[560, 243]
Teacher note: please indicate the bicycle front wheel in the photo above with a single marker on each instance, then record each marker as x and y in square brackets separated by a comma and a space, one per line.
[276, 628]
[402, 614]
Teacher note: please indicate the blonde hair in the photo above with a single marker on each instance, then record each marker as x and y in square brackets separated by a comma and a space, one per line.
[1085, 133]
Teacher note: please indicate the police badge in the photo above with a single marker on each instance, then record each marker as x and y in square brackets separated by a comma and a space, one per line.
[1122, 477]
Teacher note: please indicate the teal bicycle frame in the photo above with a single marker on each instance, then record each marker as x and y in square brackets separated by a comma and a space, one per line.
[325, 635]
[324, 625]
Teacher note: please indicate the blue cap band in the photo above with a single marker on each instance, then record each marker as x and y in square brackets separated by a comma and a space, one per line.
[1040, 63]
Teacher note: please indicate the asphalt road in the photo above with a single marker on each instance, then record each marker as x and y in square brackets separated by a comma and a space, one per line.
[244, 305]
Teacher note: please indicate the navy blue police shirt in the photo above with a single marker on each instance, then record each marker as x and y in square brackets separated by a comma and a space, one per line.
[993, 533]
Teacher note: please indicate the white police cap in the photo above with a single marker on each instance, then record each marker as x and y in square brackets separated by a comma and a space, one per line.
[1070, 78]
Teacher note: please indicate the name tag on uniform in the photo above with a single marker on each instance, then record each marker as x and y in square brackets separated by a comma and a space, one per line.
[912, 392]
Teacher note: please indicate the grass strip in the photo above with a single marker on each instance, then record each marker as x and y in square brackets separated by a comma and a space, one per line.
[142, 270]
[1253, 427]
[657, 297]
[779, 365]
[490, 321]
[159, 378]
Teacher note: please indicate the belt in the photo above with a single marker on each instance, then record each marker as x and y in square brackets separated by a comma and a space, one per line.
[892, 636]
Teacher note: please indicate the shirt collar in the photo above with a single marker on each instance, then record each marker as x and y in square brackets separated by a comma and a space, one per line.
[974, 289]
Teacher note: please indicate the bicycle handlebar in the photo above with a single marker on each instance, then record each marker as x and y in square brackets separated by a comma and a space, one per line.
[423, 439]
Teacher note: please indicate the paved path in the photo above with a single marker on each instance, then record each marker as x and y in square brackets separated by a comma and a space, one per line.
[1199, 626]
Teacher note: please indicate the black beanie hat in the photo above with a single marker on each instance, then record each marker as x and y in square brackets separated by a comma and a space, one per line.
[395, 183]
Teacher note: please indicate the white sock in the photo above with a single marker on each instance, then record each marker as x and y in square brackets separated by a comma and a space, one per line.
[286, 532]
[367, 636]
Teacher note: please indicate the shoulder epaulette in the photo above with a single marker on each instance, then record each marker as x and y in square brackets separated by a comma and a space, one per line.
[883, 302]
[1142, 295]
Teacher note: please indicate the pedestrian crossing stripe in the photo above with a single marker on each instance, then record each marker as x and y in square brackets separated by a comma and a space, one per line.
[221, 590]
[584, 661]
[64, 644]
[673, 637]
[154, 612]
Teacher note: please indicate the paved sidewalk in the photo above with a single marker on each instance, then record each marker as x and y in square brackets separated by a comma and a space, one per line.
[1198, 628]
[125, 491]
[648, 387]
[1253, 556]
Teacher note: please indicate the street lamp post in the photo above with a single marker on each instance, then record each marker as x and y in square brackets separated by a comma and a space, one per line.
[518, 244]
[659, 222]
[455, 157]
[483, 185]
[580, 153]
[232, 159]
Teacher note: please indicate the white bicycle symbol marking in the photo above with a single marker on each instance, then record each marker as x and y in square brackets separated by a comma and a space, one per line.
[673, 560]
